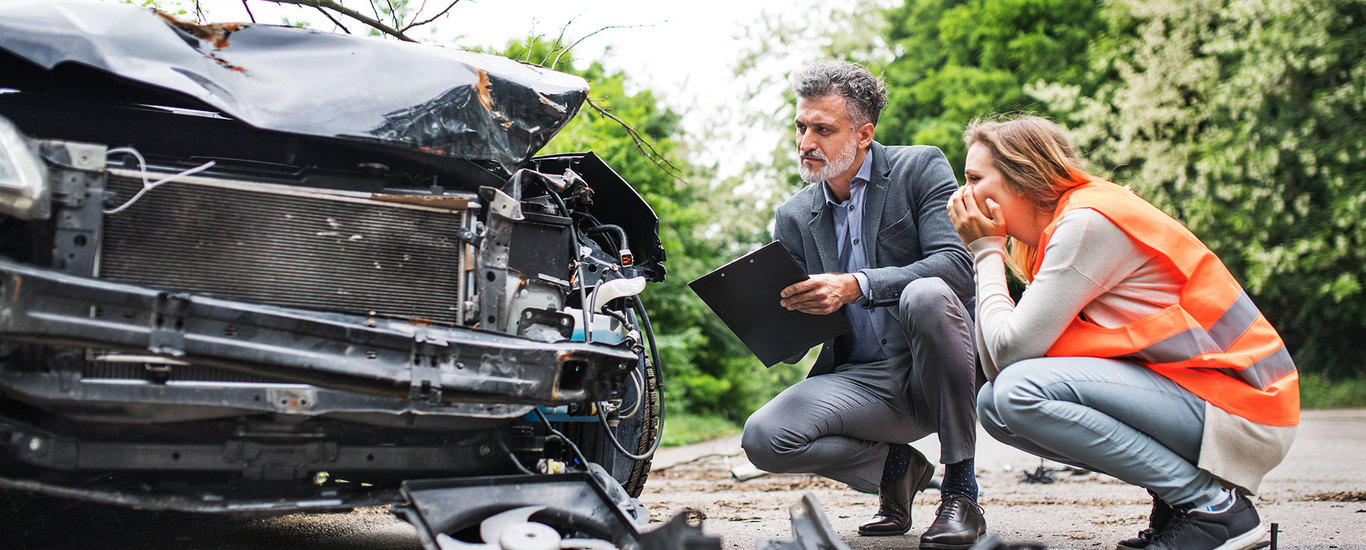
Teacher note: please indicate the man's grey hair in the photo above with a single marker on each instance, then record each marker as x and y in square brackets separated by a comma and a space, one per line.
[864, 95]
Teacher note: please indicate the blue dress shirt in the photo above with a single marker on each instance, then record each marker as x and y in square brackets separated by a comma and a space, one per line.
[876, 334]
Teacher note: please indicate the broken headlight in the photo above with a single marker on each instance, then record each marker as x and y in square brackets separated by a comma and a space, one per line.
[23, 178]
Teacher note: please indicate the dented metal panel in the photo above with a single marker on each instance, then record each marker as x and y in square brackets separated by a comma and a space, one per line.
[328, 350]
[439, 101]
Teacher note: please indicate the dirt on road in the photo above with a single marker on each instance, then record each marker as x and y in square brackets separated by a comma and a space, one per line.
[1316, 498]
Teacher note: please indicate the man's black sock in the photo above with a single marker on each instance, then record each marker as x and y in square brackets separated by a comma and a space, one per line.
[960, 479]
[898, 457]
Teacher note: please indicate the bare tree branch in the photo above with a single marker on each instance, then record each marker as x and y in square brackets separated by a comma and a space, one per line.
[374, 10]
[329, 17]
[576, 42]
[642, 145]
[555, 48]
[433, 18]
[250, 15]
[334, 6]
[530, 43]
[393, 13]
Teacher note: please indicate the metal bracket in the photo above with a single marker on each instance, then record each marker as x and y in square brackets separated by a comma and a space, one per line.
[78, 197]
[559, 323]
[468, 236]
[493, 256]
[426, 377]
[292, 399]
[167, 335]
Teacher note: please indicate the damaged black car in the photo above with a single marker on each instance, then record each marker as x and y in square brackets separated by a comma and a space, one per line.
[256, 269]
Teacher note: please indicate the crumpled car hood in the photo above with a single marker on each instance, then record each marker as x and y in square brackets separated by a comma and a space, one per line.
[441, 101]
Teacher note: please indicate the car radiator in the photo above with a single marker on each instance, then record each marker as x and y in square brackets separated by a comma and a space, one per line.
[344, 252]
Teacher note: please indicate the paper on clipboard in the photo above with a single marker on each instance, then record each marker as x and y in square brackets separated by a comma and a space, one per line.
[744, 294]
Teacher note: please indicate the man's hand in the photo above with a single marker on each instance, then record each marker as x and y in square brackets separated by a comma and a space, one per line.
[822, 294]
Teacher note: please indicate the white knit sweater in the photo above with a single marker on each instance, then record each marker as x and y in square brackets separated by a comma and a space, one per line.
[1093, 268]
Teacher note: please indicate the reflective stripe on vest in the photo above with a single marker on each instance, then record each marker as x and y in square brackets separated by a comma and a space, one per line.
[1191, 343]
[1213, 342]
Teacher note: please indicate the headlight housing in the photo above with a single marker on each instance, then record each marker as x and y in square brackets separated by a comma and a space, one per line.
[23, 176]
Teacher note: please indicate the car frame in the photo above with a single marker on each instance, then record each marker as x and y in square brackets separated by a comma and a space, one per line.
[251, 269]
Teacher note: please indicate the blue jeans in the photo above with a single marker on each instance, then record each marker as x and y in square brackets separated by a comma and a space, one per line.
[1110, 416]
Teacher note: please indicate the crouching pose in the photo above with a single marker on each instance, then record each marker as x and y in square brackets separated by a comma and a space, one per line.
[872, 231]
[1132, 351]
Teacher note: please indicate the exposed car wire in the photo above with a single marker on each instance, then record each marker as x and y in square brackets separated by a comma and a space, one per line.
[146, 185]
[659, 385]
[639, 308]
[574, 245]
[503, 444]
[635, 407]
[556, 434]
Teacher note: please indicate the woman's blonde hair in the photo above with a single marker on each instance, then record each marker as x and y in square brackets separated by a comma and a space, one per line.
[1034, 157]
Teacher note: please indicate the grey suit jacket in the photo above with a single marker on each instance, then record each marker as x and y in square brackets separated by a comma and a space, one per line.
[904, 219]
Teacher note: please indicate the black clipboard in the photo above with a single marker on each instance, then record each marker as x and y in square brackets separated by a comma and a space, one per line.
[744, 294]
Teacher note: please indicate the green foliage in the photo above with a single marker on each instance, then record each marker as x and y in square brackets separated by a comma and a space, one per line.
[708, 372]
[1243, 119]
[173, 7]
[954, 61]
[1318, 392]
[685, 429]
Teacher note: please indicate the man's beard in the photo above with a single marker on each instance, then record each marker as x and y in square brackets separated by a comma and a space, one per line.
[832, 168]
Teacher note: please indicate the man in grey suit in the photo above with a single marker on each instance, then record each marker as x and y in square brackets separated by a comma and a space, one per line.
[872, 231]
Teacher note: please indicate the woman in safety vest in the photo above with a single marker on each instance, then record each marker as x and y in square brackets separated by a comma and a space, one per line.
[1132, 351]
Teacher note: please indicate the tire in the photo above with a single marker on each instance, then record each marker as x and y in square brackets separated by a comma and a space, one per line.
[636, 433]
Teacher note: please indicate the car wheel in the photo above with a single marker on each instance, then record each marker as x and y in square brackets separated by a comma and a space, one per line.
[637, 430]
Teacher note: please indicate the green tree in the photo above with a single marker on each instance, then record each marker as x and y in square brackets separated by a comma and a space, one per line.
[954, 60]
[707, 370]
[1243, 119]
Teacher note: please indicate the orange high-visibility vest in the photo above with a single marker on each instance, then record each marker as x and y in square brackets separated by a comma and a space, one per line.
[1213, 342]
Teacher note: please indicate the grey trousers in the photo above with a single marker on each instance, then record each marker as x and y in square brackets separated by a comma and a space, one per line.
[837, 425]
[1110, 416]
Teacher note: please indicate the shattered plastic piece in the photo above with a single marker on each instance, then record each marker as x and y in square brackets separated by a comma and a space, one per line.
[810, 529]
[993, 542]
[1041, 475]
[589, 502]
[683, 532]
[746, 471]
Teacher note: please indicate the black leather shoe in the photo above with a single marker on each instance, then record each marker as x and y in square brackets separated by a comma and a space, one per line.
[957, 525]
[894, 499]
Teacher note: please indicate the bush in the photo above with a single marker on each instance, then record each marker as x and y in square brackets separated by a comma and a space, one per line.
[1318, 392]
[686, 429]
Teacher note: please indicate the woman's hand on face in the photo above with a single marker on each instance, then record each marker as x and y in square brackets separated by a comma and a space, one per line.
[969, 220]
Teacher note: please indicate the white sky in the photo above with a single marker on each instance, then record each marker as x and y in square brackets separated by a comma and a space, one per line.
[685, 52]
[670, 46]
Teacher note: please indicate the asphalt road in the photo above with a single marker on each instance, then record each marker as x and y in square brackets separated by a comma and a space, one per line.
[1317, 499]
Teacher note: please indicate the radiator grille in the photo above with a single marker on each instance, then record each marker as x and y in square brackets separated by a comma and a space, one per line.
[149, 372]
[294, 250]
